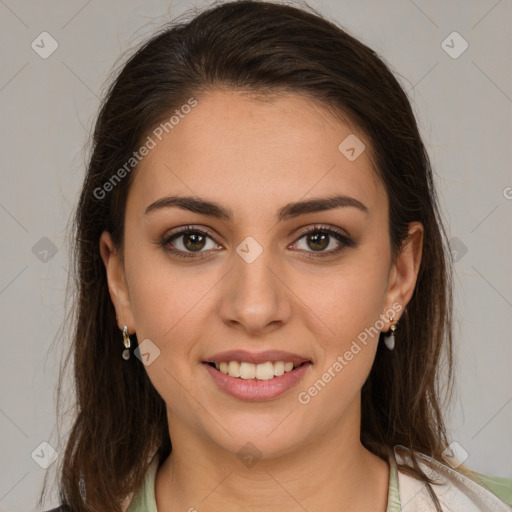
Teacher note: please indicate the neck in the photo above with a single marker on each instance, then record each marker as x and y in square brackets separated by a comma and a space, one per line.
[332, 468]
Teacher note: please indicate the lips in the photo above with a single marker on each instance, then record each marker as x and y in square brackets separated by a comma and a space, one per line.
[255, 376]
[254, 389]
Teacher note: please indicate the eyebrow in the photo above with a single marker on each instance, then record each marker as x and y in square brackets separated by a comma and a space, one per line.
[289, 211]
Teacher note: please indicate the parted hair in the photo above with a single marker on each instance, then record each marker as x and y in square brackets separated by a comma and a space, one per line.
[119, 419]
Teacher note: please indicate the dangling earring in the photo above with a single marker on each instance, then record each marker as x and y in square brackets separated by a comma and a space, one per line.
[126, 341]
[389, 339]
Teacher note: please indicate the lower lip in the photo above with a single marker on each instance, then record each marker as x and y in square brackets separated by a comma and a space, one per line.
[257, 390]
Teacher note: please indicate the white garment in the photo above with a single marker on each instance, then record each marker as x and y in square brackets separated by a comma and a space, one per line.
[457, 493]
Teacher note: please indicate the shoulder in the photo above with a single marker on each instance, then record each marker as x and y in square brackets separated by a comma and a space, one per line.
[455, 491]
[143, 499]
[500, 486]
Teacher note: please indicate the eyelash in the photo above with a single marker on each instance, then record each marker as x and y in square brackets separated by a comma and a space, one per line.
[338, 235]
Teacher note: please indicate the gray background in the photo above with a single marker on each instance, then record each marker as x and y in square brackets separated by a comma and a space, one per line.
[48, 106]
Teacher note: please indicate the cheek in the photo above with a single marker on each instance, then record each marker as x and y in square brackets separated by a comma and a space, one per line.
[364, 287]
[351, 309]
[170, 304]
[159, 297]
[362, 303]
[350, 304]
[348, 299]
[166, 305]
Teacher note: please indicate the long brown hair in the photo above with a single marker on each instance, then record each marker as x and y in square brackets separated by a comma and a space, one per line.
[258, 47]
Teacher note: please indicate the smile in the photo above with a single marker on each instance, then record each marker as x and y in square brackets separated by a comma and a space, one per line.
[256, 382]
[263, 371]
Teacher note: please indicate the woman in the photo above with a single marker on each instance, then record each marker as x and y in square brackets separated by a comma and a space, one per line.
[264, 292]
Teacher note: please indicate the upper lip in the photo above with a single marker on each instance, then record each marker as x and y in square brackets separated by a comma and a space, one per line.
[256, 357]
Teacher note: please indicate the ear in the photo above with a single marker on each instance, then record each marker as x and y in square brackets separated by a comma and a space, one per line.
[117, 285]
[404, 270]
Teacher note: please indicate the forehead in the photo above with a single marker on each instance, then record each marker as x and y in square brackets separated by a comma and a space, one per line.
[240, 150]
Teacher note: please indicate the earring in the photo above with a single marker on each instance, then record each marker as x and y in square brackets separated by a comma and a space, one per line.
[126, 341]
[389, 339]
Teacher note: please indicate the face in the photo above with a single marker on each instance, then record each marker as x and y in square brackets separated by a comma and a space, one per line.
[269, 267]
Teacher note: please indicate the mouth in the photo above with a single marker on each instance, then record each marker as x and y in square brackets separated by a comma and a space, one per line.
[244, 370]
[256, 376]
[260, 381]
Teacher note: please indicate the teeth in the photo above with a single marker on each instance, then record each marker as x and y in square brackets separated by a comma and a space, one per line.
[233, 368]
[263, 371]
[278, 368]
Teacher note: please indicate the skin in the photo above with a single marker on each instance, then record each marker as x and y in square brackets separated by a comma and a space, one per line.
[253, 157]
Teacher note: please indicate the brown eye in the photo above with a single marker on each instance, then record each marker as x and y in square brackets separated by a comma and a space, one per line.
[188, 241]
[193, 241]
[318, 241]
[319, 238]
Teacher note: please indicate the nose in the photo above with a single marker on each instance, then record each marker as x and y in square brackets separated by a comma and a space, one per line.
[254, 296]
